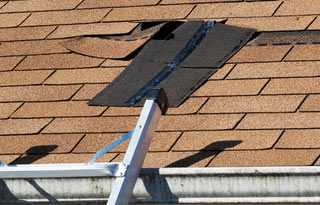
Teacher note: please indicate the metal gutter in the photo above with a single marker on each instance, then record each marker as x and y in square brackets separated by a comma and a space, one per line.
[249, 185]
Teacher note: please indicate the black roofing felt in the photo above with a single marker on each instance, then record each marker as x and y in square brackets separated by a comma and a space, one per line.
[218, 46]
[159, 64]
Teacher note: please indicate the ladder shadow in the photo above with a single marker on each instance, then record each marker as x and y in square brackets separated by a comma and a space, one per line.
[212, 149]
[35, 153]
[158, 187]
[5, 194]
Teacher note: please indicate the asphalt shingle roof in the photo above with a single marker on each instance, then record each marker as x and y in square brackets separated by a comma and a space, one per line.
[260, 109]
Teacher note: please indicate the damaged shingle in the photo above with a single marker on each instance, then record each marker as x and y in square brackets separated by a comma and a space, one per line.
[160, 62]
[113, 46]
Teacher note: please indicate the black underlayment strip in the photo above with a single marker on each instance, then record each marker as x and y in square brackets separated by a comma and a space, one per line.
[159, 63]
[218, 46]
[169, 68]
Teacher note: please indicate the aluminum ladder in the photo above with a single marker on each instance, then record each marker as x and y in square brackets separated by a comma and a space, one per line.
[126, 172]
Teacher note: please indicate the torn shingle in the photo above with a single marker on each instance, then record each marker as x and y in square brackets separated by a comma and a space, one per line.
[58, 61]
[103, 48]
[114, 46]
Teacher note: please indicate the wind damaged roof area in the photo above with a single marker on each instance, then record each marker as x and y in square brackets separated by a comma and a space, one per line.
[260, 109]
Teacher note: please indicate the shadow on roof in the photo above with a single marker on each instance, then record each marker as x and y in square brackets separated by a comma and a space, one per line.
[205, 153]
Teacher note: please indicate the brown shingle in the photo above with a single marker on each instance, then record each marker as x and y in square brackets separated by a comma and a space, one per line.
[115, 63]
[8, 63]
[65, 17]
[92, 29]
[175, 159]
[280, 121]
[14, 34]
[198, 127]
[315, 25]
[198, 122]
[56, 61]
[260, 54]
[58, 109]
[103, 48]
[6, 109]
[300, 139]
[37, 93]
[294, 7]
[93, 124]
[243, 9]
[226, 140]
[149, 13]
[278, 69]
[23, 77]
[230, 87]
[123, 111]
[38, 144]
[75, 76]
[12, 20]
[193, 1]
[6, 159]
[93, 142]
[265, 158]
[115, 3]
[62, 158]
[30, 48]
[3, 3]
[293, 86]
[222, 72]
[190, 106]
[39, 5]
[288, 23]
[311, 104]
[284, 103]
[22, 126]
[304, 52]
[88, 91]
[317, 163]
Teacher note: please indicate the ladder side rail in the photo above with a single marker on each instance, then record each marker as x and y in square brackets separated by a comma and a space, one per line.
[136, 152]
[61, 170]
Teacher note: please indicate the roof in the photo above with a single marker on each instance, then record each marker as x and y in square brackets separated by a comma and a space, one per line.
[260, 109]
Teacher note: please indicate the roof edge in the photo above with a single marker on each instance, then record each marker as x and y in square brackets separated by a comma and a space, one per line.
[178, 185]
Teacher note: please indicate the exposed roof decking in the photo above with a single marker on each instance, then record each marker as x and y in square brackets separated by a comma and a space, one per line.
[259, 109]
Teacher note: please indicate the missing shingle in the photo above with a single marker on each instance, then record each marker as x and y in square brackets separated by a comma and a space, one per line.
[158, 63]
[166, 32]
[286, 38]
[147, 25]
[117, 46]
[143, 30]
